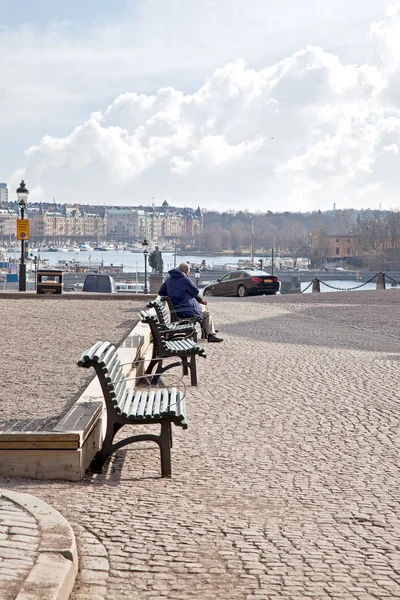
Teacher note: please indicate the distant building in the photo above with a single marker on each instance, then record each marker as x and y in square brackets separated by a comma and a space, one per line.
[8, 226]
[55, 227]
[156, 223]
[59, 223]
[335, 246]
[3, 192]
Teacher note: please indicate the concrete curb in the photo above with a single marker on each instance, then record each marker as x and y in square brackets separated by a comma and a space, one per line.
[53, 575]
[124, 297]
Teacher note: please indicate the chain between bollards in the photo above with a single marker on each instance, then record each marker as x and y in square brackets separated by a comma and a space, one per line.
[380, 284]
[391, 279]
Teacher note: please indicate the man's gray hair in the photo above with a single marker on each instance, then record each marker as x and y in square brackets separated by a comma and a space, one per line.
[184, 267]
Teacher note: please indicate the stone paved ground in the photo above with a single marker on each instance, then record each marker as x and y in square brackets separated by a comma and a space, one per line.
[285, 485]
[19, 541]
[41, 341]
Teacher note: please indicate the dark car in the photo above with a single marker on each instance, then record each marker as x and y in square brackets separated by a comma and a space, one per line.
[243, 282]
[97, 282]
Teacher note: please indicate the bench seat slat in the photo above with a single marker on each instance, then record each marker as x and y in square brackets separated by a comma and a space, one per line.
[157, 405]
[180, 344]
[142, 406]
[150, 405]
[135, 404]
[181, 407]
[172, 402]
[126, 404]
[164, 403]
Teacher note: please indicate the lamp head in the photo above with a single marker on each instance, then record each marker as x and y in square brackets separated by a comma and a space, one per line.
[22, 194]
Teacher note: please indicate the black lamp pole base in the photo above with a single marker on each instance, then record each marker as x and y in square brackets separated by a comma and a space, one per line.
[22, 278]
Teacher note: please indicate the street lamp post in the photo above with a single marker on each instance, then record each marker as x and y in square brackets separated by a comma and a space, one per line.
[22, 195]
[145, 245]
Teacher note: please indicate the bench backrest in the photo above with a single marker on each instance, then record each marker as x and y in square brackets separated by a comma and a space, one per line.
[162, 311]
[103, 357]
[159, 339]
[156, 328]
[172, 310]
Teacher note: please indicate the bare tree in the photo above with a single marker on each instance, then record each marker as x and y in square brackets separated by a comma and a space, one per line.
[296, 240]
[319, 247]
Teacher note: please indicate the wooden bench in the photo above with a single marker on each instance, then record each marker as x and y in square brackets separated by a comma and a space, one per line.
[175, 318]
[185, 350]
[126, 405]
[173, 330]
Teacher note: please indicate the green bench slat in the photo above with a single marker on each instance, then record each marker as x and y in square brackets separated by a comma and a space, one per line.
[135, 404]
[142, 406]
[157, 404]
[89, 353]
[113, 364]
[164, 403]
[172, 402]
[150, 405]
[126, 402]
[181, 408]
[110, 357]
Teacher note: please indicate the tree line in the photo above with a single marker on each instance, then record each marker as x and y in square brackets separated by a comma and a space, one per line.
[292, 232]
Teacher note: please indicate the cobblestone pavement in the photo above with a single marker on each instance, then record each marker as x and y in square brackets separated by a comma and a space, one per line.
[19, 541]
[285, 485]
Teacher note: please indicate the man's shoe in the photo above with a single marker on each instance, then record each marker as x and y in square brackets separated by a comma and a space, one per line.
[214, 338]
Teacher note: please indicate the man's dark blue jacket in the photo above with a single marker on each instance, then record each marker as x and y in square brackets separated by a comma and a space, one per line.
[182, 292]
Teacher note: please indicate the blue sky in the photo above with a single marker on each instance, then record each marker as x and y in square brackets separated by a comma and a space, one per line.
[62, 61]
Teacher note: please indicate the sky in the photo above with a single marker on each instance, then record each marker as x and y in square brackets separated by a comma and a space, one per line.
[226, 104]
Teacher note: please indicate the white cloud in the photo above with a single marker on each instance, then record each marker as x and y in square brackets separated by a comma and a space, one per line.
[306, 132]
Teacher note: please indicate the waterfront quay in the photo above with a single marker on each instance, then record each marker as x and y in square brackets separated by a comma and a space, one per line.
[286, 483]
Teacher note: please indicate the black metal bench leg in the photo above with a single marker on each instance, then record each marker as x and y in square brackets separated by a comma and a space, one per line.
[193, 370]
[158, 371]
[153, 360]
[96, 466]
[165, 449]
[185, 366]
[151, 365]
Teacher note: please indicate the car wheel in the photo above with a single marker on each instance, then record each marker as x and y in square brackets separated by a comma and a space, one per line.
[208, 293]
[241, 291]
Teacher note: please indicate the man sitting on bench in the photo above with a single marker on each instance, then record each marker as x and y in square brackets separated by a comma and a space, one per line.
[186, 299]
